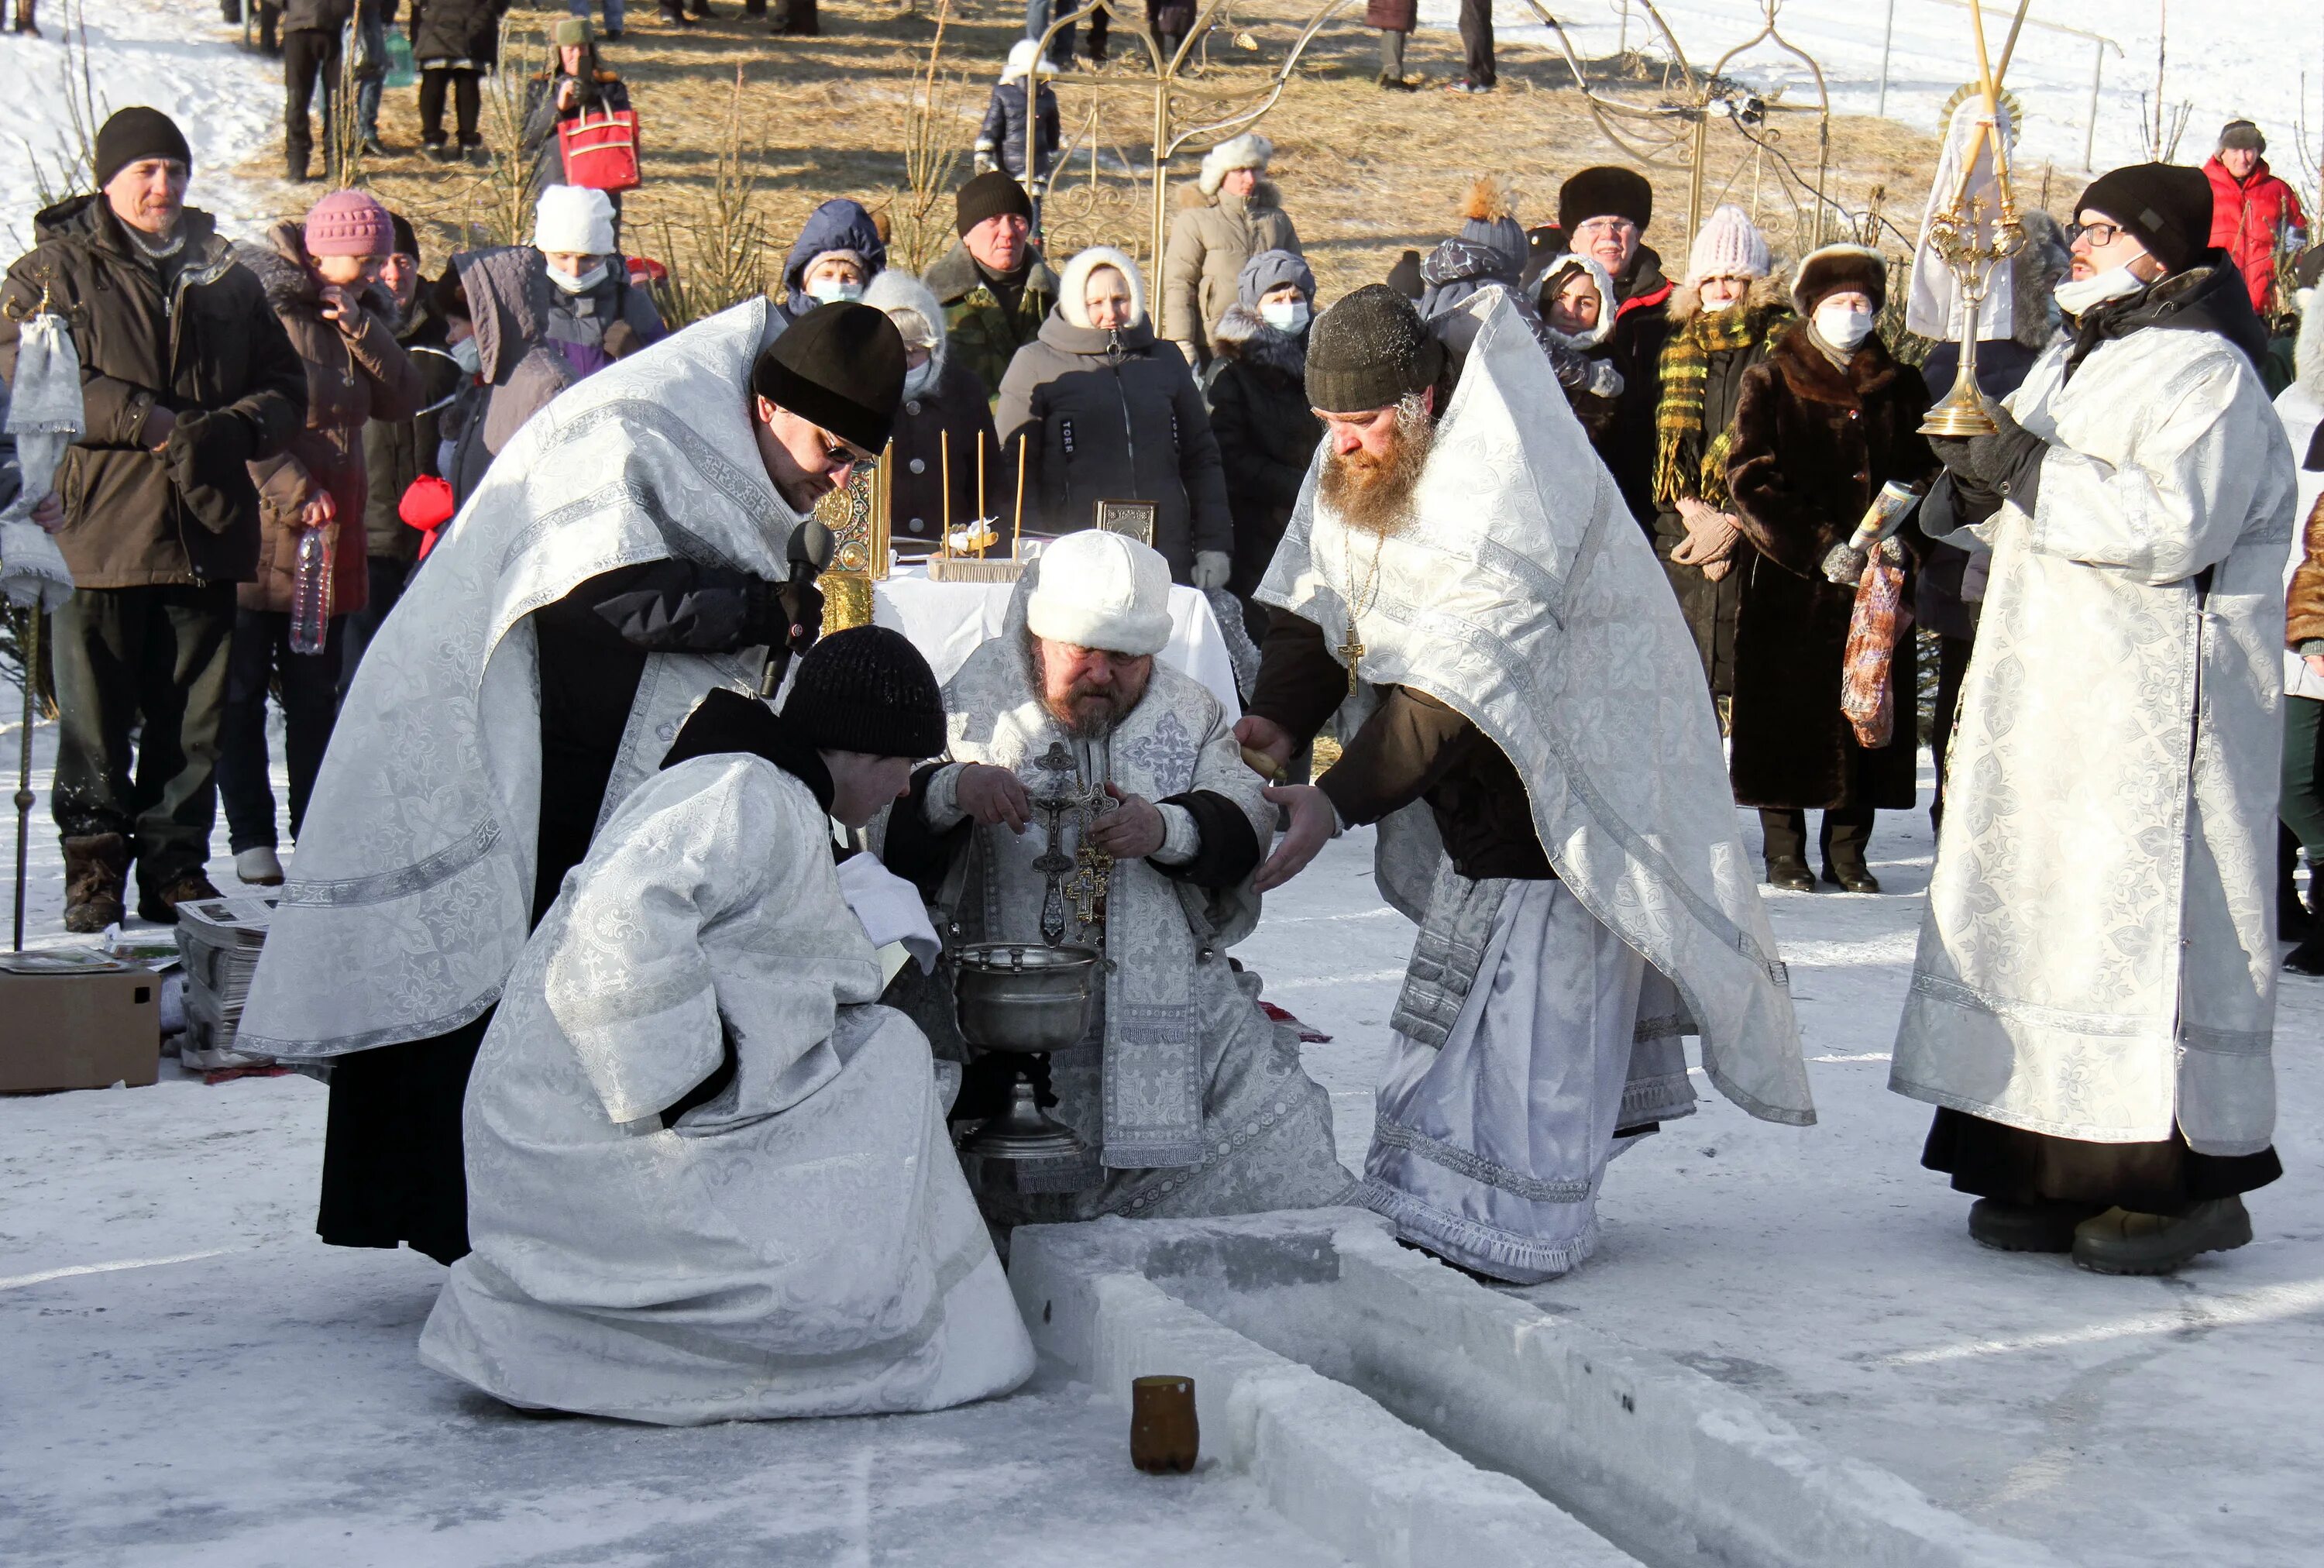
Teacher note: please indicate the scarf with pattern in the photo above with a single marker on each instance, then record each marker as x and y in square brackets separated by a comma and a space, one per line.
[1685, 373]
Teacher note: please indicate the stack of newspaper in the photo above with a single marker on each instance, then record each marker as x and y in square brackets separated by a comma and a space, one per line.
[220, 940]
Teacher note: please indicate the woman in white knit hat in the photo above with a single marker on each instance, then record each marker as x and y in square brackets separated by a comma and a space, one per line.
[1230, 215]
[1723, 316]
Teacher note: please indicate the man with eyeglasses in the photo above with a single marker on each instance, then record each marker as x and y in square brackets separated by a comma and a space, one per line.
[2094, 1003]
[642, 540]
[1604, 212]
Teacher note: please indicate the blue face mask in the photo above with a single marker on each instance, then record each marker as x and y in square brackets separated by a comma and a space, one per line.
[1285, 315]
[828, 291]
[468, 355]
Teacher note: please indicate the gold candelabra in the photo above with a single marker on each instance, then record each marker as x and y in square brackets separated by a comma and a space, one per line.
[1958, 236]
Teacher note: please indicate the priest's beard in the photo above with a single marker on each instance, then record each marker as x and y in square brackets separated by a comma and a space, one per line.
[1089, 711]
[1375, 494]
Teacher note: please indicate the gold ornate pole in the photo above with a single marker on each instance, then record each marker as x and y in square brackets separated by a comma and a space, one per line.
[1954, 236]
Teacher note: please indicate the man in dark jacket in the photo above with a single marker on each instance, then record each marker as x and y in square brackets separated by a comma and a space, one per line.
[455, 42]
[310, 51]
[1604, 212]
[398, 451]
[993, 285]
[185, 377]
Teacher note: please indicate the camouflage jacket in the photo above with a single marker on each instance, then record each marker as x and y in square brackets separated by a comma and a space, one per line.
[985, 335]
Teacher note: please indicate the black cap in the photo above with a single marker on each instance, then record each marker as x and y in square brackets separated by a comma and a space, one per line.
[867, 689]
[1607, 190]
[407, 238]
[989, 195]
[841, 366]
[1369, 351]
[137, 133]
[2166, 207]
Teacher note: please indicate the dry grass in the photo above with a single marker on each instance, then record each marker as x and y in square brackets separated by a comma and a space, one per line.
[1365, 174]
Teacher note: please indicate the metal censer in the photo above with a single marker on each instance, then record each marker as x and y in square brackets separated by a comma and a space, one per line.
[1027, 1001]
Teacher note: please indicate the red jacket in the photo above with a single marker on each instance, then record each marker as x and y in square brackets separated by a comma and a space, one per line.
[2245, 219]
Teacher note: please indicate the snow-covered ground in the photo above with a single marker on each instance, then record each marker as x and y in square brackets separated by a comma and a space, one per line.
[2227, 61]
[177, 56]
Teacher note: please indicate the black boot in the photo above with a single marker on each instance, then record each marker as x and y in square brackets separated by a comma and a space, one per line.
[1789, 873]
[2308, 958]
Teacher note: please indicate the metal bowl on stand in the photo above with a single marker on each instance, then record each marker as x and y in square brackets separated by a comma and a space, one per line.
[1028, 1001]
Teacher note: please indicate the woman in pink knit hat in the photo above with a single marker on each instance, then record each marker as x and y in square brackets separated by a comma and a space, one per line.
[322, 278]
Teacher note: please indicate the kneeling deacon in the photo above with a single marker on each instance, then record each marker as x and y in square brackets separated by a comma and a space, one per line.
[1095, 796]
[707, 1179]
[1527, 720]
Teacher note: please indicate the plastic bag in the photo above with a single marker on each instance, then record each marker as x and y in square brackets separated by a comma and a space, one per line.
[1878, 619]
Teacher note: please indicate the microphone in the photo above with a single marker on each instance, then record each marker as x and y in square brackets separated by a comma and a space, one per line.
[809, 553]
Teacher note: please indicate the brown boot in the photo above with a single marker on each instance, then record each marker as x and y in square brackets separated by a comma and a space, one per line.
[97, 870]
[25, 23]
[160, 903]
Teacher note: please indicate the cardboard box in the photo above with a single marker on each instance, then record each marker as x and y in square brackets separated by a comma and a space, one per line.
[70, 1019]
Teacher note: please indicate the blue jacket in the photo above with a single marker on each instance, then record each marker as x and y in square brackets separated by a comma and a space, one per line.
[838, 225]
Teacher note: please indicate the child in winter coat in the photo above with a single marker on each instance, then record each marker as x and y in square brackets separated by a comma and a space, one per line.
[1000, 143]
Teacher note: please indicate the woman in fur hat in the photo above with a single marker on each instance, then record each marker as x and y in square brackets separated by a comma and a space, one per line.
[1230, 215]
[1826, 420]
[1724, 315]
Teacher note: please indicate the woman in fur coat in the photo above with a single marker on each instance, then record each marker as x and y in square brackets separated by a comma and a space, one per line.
[1724, 316]
[1826, 420]
[1259, 411]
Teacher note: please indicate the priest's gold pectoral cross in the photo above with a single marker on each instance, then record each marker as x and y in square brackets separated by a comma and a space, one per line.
[1093, 874]
[1351, 654]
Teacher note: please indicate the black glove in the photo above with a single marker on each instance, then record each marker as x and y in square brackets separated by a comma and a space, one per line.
[800, 603]
[208, 455]
[2004, 466]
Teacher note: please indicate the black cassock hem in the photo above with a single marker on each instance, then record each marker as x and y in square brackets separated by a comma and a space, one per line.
[1994, 1161]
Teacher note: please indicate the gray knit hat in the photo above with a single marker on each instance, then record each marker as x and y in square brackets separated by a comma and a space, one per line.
[1368, 351]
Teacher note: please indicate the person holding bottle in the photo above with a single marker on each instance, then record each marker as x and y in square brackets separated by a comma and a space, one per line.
[320, 277]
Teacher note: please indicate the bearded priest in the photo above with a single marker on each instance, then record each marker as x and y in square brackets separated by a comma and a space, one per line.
[637, 544]
[1093, 796]
[1524, 717]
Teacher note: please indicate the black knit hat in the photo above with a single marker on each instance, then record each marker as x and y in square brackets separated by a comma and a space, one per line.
[867, 689]
[2167, 207]
[137, 133]
[841, 366]
[989, 195]
[1835, 270]
[1368, 351]
[2243, 135]
[1605, 191]
[407, 238]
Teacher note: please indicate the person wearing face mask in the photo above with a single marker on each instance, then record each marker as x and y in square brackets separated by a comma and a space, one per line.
[322, 278]
[946, 417]
[1724, 316]
[1266, 430]
[1604, 212]
[994, 286]
[1825, 420]
[653, 543]
[1107, 414]
[593, 314]
[840, 249]
[2093, 1006]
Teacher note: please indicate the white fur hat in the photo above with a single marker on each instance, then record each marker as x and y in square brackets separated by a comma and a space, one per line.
[1023, 57]
[1249, 151]
[1730, 245]
[574, 218]
[1073, 284]
[1095, 589]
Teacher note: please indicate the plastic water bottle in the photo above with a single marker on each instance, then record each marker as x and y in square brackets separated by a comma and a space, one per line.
[310, 592]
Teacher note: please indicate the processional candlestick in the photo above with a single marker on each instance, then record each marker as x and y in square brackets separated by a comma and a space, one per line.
[1954, 233]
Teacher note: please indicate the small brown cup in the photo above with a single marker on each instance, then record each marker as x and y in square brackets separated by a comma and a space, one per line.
[1164, 1436]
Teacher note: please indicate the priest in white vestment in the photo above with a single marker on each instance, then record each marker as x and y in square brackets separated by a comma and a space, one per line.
[1191, 1098]
[708, 1176]
[2093, 1005]
[1523, 714]
[638, 544]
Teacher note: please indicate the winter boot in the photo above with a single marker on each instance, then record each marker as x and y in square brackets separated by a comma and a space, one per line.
[258, 868]
[2027, 1226]
[2308, 958]
[478, 153]
[230, 12]
[1851, 879]
[1791, 874]
[24, 18]
[439, 152]
[2123, 1241]
[97, 870]
[674, 13]
[159, 903]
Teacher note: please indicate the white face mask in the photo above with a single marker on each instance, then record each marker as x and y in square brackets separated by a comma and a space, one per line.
[1842, 329]
[2077, 295]
[582, 284]
[1284, 314]
[469, 354]
[828, 290]
[919, 379]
